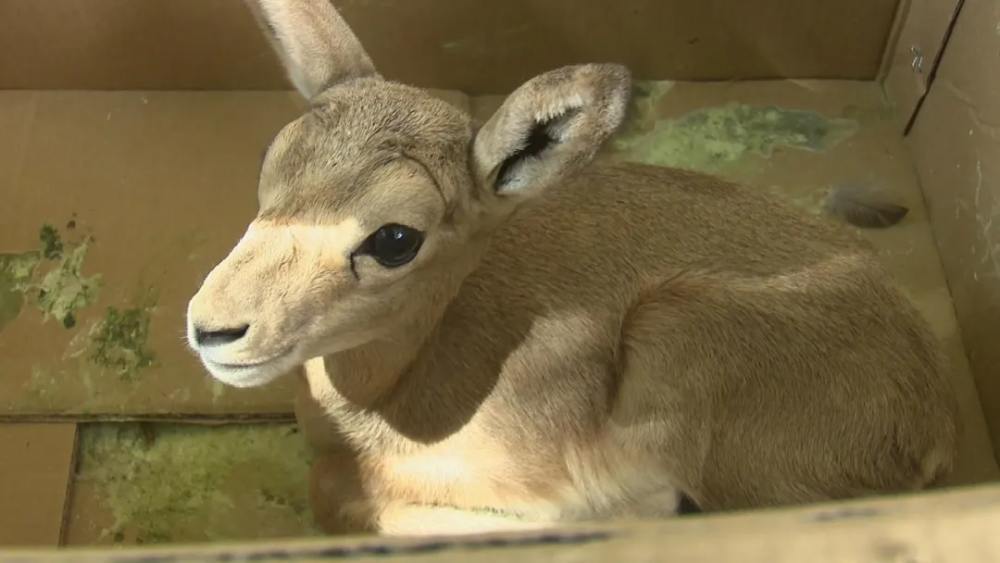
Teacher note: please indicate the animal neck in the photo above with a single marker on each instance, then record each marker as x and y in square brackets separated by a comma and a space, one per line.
[371, 373]
[368, 374]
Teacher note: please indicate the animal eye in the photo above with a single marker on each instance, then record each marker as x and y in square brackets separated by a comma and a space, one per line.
[393, 245]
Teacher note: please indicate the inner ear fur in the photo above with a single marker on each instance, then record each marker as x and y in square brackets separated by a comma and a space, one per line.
[551, 126]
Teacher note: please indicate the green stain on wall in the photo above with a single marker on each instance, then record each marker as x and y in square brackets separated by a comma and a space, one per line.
[49, 278]
[119, 341]
[16, 271]
[63, 289]
[52, 246]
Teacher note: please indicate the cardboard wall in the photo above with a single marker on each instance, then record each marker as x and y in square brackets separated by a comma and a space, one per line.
[957, 526]
[486, 47]
[914, 55]
[476, 47]
[113, 208]
[955, 142]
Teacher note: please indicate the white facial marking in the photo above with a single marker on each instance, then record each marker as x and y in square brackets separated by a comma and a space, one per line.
[230, 298]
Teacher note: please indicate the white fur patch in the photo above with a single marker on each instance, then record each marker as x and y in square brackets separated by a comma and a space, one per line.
[316, 241]
[234, 295]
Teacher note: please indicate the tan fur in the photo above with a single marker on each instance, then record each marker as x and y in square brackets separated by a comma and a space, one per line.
[569, 343]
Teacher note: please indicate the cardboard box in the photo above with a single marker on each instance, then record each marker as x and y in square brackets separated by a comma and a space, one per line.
[132, 138]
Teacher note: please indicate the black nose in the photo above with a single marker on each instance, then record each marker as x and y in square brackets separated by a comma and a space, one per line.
[219, 337]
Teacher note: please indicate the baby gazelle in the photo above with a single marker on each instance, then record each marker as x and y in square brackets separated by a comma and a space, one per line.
[496, 337]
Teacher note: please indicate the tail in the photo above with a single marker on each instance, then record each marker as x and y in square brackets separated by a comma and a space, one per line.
[861, 205]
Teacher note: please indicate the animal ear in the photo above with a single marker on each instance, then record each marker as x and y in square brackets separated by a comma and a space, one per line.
[551, 126]
[314, 43]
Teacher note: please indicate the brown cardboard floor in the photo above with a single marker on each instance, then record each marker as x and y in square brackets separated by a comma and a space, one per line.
[180, 193]
[36, 467]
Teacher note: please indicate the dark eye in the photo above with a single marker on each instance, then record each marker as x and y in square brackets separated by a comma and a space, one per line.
[393, 245]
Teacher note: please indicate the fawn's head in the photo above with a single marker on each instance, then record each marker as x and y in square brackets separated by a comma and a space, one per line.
[379, 198]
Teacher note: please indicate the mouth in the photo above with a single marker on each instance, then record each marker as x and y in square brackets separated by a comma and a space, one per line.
[250, 374]
[246, 365]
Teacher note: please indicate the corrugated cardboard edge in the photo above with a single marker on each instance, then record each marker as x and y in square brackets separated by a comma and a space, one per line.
[958, 525]
[180, 418]
[70, 483]
[479, 47]
[926, 25]
[956, 149]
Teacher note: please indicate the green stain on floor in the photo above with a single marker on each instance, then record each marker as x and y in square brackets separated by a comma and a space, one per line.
[640, 117]
[171, 483]
[714, 139]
